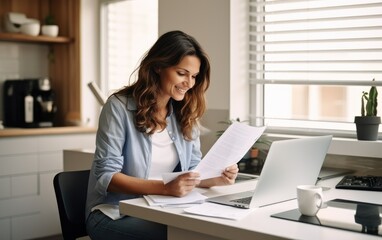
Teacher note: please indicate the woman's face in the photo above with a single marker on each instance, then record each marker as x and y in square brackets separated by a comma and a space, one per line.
[177, 80]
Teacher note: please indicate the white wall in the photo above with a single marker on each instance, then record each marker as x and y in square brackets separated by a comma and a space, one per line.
[239, 90]
[207, 21]
[90, 53]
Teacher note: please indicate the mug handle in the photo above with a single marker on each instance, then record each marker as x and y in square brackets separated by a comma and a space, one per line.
[318, 200]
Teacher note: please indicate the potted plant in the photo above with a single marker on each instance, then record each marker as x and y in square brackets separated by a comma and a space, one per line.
[367, 124]
[49, 28]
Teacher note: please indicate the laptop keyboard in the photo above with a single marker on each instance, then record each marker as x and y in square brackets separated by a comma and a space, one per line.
[369, 183]
[245, 200]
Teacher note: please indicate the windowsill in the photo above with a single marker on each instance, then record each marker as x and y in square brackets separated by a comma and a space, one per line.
[344, 146]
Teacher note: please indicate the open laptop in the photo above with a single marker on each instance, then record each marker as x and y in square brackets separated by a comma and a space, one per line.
[289, 163]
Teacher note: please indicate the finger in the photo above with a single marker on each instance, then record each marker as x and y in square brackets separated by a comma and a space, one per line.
[194, 177]
[194, 174]
[190, 175]
[234, 168]
[230, 175]
[185, 180]
[192, 181]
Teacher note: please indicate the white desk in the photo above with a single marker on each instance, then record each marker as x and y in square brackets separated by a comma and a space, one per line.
[258, 225]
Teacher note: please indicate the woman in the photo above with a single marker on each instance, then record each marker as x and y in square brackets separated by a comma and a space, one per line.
[146, 129]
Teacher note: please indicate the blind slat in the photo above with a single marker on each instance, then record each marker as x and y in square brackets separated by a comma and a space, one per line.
[317, 30]
[316, 61]
[372, 50]
[308, 8]
[327, 40]
[322, 82]
[253, 22]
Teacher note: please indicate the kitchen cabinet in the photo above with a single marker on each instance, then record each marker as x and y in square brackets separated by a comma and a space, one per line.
[28, 207]
[64, 56]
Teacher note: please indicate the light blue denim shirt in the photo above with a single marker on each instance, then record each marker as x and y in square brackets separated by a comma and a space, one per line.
[120, 147]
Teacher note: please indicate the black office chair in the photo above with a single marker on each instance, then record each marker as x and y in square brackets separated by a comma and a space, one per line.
[71, 189]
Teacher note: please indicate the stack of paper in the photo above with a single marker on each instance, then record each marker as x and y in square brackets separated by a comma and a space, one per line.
[194, 197]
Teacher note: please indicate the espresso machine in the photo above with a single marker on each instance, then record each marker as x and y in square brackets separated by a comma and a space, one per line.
[28, 103]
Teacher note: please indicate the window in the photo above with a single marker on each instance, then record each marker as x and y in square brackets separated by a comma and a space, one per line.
[128, 29]
[311, 60]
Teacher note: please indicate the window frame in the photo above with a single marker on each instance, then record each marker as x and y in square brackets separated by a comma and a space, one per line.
[257, 88]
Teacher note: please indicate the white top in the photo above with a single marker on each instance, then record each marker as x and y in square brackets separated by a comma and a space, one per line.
[164, 160]
[164, 157]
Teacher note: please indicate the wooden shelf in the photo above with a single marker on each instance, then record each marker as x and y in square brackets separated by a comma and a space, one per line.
[19, 37]
[22, 132]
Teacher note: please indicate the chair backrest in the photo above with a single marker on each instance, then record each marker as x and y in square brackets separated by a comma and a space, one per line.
[71, 190]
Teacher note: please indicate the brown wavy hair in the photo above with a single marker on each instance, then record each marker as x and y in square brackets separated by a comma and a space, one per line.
[168, 51]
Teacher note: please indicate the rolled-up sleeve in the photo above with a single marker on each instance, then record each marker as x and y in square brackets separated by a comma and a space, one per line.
[110, 142]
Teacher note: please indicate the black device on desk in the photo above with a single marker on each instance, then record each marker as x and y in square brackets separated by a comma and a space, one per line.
[369, 183]
[355, 216]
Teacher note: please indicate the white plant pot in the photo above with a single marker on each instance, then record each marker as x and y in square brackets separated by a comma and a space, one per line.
[49, 30]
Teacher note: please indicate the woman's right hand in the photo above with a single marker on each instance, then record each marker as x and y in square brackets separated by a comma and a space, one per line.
[183, 184]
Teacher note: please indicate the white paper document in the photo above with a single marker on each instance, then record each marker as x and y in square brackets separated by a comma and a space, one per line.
[162, 200]
[218, 210]
[230, 147]
[168, 177]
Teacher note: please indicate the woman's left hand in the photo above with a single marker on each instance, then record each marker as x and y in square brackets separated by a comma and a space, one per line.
[229, 175]
[227, 178]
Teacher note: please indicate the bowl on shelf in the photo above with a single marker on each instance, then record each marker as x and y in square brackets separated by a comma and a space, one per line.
[30, 28]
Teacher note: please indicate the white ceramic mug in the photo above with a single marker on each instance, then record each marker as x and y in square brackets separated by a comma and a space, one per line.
[309, 199]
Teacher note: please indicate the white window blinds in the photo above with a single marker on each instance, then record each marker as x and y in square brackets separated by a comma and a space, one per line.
[311, 60]
[128, 30]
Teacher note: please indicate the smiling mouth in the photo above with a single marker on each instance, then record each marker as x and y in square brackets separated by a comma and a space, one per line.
[183, 91]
